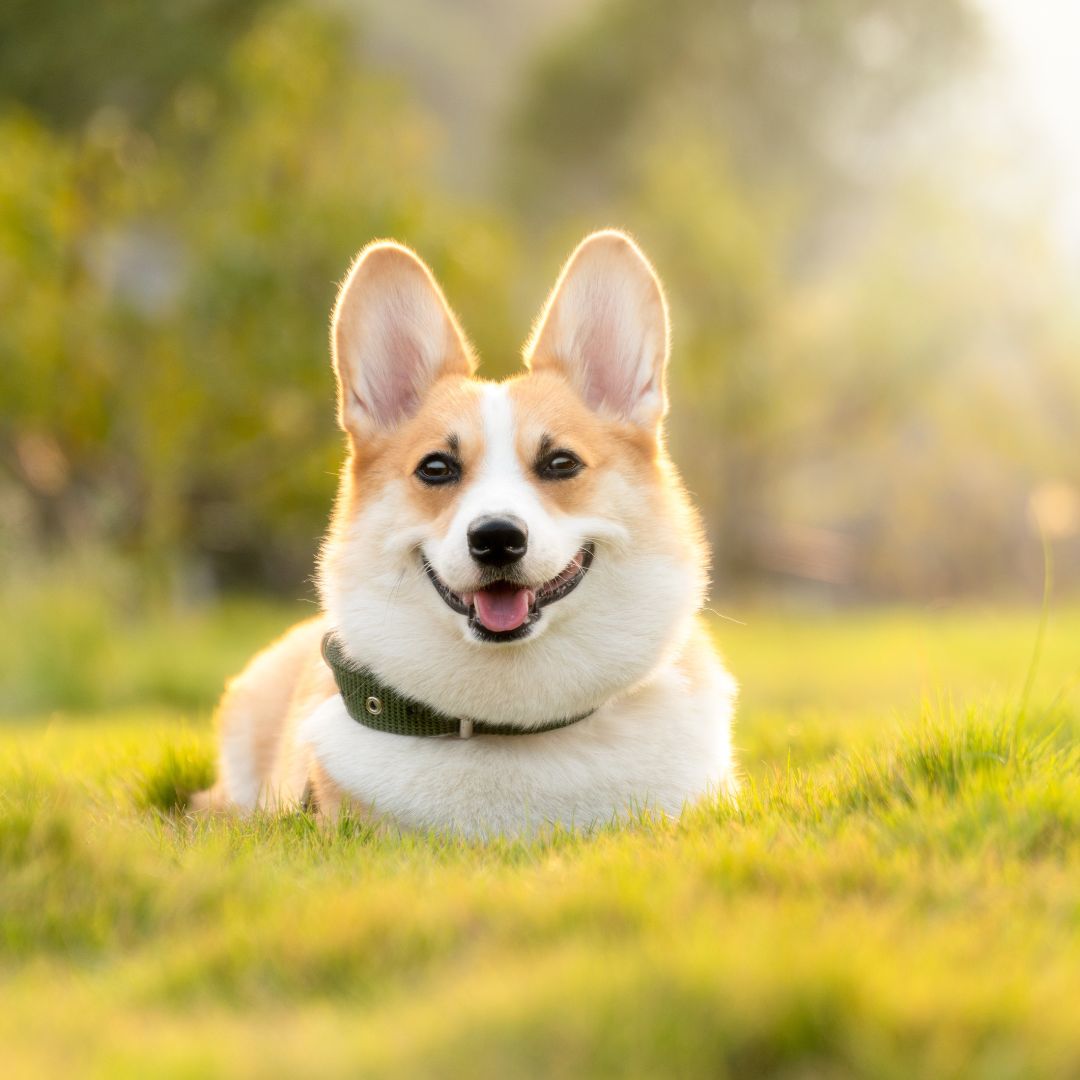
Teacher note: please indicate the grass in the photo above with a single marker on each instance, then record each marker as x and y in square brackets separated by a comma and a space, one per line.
[897, 895]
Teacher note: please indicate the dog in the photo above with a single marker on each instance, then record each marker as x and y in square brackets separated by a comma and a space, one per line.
[511, 584]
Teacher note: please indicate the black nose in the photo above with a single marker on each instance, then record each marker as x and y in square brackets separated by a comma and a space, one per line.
[498, 541]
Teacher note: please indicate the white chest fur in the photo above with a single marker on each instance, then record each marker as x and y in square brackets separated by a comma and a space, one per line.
[657, 748]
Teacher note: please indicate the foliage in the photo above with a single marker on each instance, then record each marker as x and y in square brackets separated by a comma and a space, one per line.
[81, 636]
[164, 362]
[874, 356]
[784, 88]
[847, 310]
[893, 897]
[66, 60]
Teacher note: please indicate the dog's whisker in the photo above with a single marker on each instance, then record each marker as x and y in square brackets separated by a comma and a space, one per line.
[726, 618]
[393, 594]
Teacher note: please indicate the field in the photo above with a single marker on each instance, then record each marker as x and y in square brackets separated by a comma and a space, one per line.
[897, 895]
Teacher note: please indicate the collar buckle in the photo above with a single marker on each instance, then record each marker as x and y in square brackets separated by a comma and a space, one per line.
[465, 728]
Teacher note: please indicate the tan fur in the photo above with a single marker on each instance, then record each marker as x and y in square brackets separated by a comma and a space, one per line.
[548, 406]
[610, 448]
[279, 685]
[450, 409]
[329, 799]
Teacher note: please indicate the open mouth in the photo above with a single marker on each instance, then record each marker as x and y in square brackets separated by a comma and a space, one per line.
[506, 610]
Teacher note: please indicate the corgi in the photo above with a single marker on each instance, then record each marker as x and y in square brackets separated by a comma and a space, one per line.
[511, 584]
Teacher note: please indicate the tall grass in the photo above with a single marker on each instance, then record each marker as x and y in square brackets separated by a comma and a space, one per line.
[895, 894]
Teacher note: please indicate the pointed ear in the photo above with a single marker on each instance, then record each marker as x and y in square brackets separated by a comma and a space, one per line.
[392, 337]
[605, 328]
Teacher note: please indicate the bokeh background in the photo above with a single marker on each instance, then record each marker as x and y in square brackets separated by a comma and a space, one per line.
[866, 213]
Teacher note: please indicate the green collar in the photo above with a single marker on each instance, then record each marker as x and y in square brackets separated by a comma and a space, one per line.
[375, 705]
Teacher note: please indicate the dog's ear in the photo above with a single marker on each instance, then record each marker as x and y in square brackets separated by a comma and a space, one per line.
[392, 337]
[605, 328]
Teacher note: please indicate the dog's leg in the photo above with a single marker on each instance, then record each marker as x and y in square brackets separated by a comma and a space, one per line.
[252, 719]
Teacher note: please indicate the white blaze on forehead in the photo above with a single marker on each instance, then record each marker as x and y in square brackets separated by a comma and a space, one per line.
[500, 462]
[501, 486]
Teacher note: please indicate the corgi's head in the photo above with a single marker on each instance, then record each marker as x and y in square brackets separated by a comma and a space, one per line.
[517, 551]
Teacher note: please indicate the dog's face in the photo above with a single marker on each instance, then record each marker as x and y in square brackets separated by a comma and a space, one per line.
[517, 551]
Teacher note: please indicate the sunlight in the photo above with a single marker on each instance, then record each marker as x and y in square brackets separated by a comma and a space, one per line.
[1039, 41]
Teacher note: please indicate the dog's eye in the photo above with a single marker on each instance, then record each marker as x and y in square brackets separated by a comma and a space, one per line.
[560, 465]
[438, 469]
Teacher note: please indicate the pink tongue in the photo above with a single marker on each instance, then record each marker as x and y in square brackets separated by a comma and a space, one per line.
[503, 609]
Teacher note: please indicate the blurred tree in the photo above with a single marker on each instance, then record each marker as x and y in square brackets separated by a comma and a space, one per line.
[798, 95]
[64, 60]
[875, 362]
[164, 361]
[749, 143]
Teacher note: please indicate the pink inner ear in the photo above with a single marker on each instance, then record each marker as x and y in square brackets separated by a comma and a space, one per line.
[610, 364]
[393, 383]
